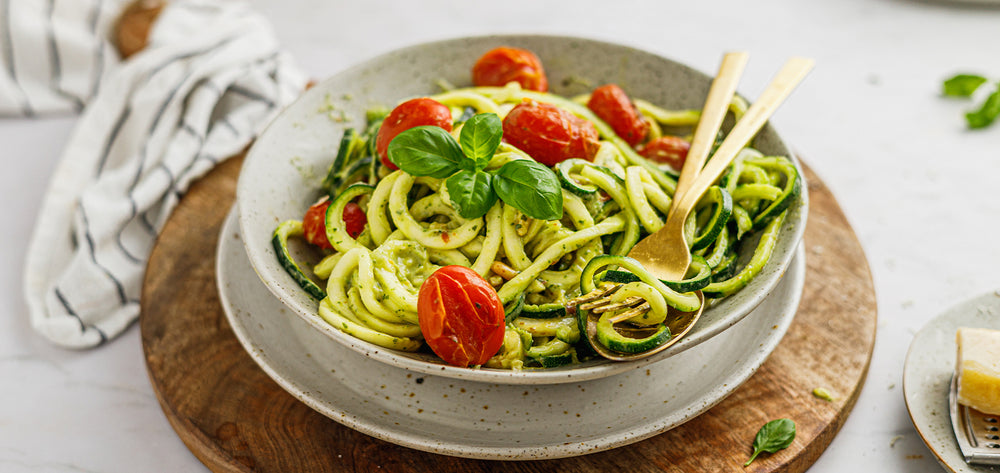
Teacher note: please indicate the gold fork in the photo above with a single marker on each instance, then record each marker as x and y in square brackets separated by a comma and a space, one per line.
[666, 253]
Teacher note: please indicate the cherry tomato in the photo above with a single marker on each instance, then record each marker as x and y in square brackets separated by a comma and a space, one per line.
[314, 222]
[611, 104]
[549, 134]
[668, 150]
[460, 316]
[502, 65]
[415, 112]
[354, 219]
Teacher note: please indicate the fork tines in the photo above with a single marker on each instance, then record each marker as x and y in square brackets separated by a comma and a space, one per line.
[597, 294]
[604, 305]
[598, 301]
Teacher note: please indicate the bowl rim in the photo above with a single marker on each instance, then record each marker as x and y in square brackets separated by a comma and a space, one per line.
[593, 369]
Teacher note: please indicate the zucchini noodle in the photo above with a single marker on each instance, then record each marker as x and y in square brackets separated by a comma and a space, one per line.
[372, 280]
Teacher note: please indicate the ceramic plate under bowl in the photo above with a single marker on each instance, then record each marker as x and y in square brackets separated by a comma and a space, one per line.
[930, 364]
[281, 176]
[492, 420]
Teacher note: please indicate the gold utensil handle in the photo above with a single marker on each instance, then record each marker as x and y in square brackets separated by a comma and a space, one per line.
[752, 121]
[712, 114]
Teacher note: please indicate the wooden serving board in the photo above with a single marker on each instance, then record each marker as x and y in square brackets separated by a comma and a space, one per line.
[234, 418]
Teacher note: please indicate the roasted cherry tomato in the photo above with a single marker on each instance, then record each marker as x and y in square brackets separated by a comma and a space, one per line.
[549, 134]
[611, 104]
[415, 112]
[314, 222]
[461, 316]
[354, 219]
[502, 65]
[667, 150]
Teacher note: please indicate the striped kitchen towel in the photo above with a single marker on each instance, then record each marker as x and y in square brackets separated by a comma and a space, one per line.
[211, 76]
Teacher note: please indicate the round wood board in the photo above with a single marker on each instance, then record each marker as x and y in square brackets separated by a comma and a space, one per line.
[234, 418]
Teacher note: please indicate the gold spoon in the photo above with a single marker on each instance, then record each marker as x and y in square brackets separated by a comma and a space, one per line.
[666, 253]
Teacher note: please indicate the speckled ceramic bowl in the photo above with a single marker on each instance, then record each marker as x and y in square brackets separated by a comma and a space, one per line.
[283, 170]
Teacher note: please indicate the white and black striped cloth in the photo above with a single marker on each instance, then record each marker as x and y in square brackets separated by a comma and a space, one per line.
[210, 78]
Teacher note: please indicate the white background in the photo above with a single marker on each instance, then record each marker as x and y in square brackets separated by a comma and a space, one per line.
[919, 190]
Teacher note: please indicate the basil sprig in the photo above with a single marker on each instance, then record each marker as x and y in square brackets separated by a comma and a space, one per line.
[965, 85]
[526, 185]
[773, 436]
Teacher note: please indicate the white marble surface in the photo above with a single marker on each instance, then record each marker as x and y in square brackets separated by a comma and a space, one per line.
[917, 187]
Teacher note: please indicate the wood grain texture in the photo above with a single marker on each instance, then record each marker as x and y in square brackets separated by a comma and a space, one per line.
[236, 419]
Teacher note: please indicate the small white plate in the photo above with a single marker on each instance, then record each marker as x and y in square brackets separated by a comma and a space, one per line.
[930, 364]
[486, 420]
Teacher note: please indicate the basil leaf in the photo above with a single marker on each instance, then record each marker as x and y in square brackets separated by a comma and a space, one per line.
[480, 138]
[426, 151]
[471, 193]
[530, 187]
[773, 436]
[988, 112]
[963, 85]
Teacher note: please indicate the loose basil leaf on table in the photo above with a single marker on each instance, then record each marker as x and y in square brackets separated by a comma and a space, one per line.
[987, 113]
[426, 151]
[963, 85]
[470, 193]
[773, 436]
[530, 187]
[480, 138]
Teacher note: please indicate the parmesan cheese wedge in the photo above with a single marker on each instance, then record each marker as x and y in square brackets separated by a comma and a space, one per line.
[978, 369]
